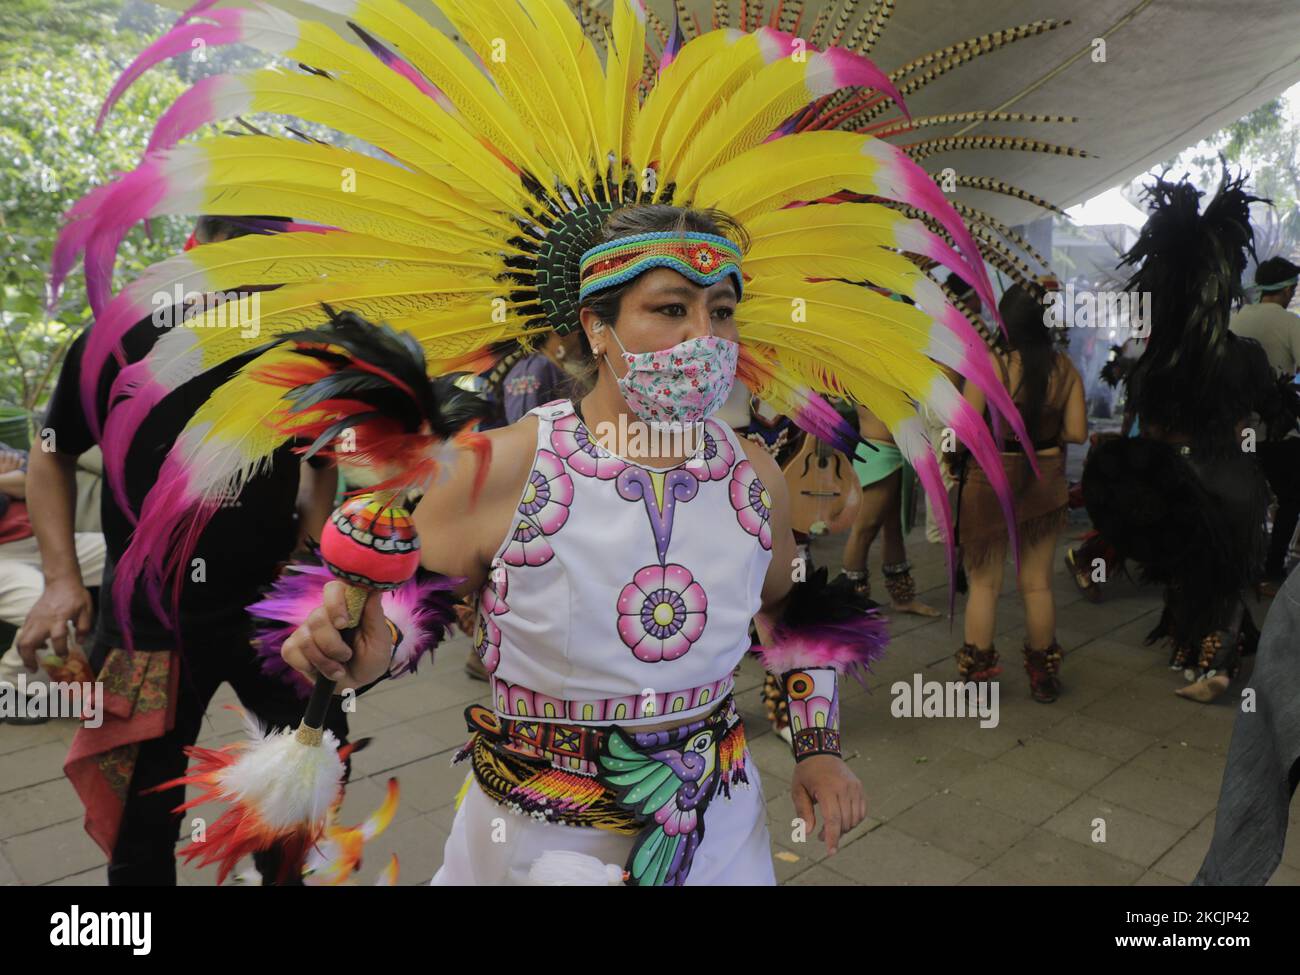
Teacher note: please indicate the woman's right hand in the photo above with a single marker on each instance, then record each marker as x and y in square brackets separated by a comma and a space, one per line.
[317, 647]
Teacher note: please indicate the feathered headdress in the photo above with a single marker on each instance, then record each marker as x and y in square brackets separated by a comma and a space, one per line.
[1196, 380]
[496, 169]
[1190, 268]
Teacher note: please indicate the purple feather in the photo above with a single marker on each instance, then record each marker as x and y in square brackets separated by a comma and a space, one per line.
[422, 609]
[674, 43]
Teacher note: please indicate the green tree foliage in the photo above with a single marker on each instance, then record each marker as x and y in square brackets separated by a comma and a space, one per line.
[50, 156]
[1265, 144]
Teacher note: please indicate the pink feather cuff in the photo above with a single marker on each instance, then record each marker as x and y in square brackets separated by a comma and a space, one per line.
[848, 649]
[420, 610]
[826, 626]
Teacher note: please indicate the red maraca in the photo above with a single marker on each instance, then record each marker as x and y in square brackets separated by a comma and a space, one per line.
[280, 785]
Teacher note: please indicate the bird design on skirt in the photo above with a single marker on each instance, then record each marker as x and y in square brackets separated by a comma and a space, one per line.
[670, 787]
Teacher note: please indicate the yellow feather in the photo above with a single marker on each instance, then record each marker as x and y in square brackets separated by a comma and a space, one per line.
[288, 258]
[624, 50]
[891, 406]
[805, 166]
[762, 103]
[572, 56]
[504, 38]
[475, 171]
[230, 436]
[861, 222]
[227, 161]
[824, 257]
[234, 328]
[386, 221]
[436, 55]
[349, 111]
[236, 414]
[845, 324]
[707, 92]
[665, 97]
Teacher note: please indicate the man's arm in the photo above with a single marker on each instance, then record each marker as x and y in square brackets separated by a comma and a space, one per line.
[51, 506]
[13, 484]
[13, 472]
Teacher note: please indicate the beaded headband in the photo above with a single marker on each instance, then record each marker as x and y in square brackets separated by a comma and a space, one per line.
[703, 258]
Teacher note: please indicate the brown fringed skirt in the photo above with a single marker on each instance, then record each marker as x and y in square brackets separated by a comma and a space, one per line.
[1041, 506]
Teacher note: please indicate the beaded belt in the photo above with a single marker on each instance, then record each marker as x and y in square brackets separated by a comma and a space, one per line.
[654, 784]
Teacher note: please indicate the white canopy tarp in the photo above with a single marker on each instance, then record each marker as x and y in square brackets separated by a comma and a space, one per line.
[1175, 71]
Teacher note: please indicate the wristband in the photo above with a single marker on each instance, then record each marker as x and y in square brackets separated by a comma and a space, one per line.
[812, 697]
[395, 635]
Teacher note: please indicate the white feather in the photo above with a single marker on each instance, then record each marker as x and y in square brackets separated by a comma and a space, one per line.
[288, 783]
[564, 868]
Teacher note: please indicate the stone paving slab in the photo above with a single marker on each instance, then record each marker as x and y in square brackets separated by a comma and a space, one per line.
[890, 856]
[950, 802]
[1121, 832]
[1042, 857]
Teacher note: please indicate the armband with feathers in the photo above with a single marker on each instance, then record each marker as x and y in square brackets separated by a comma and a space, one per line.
[826, 630]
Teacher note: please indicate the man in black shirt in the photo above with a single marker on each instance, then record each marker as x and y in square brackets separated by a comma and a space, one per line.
[157, 690]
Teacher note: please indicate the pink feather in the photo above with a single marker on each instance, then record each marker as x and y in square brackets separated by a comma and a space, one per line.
[847, 647]
[421, 609]
[227, 29]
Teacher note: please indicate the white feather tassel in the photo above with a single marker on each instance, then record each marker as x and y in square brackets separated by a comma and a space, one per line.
[287, 782]
[564, 868]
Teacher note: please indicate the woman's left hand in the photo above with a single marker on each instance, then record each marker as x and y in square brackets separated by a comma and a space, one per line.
[825, 781]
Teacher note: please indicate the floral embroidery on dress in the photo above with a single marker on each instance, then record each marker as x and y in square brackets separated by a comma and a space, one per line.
[574, 443]
[487, 642]
[493, 598]
[661, 612]
[752, 503]
[491, 602]
[543, 510]
[714, 459]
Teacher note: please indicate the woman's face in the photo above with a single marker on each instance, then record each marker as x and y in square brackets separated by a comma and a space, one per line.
[663, 309]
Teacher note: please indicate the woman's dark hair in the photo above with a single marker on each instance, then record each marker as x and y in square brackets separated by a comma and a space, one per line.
[1029, 336]
[209, 228]
[657, 218]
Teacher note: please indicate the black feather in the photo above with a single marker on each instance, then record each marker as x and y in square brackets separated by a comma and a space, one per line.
[1191, 267]
[403, 393]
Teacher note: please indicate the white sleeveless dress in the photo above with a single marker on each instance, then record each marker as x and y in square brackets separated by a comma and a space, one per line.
[621, 594]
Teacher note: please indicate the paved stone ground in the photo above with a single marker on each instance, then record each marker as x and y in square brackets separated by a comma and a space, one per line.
[949, 802]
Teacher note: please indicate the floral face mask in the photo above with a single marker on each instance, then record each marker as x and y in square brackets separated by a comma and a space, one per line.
[684, 384]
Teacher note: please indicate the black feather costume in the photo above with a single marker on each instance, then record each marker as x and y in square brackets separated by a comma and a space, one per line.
[1186, 499]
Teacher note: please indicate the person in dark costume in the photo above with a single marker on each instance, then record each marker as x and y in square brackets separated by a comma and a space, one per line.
[1185, 500]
